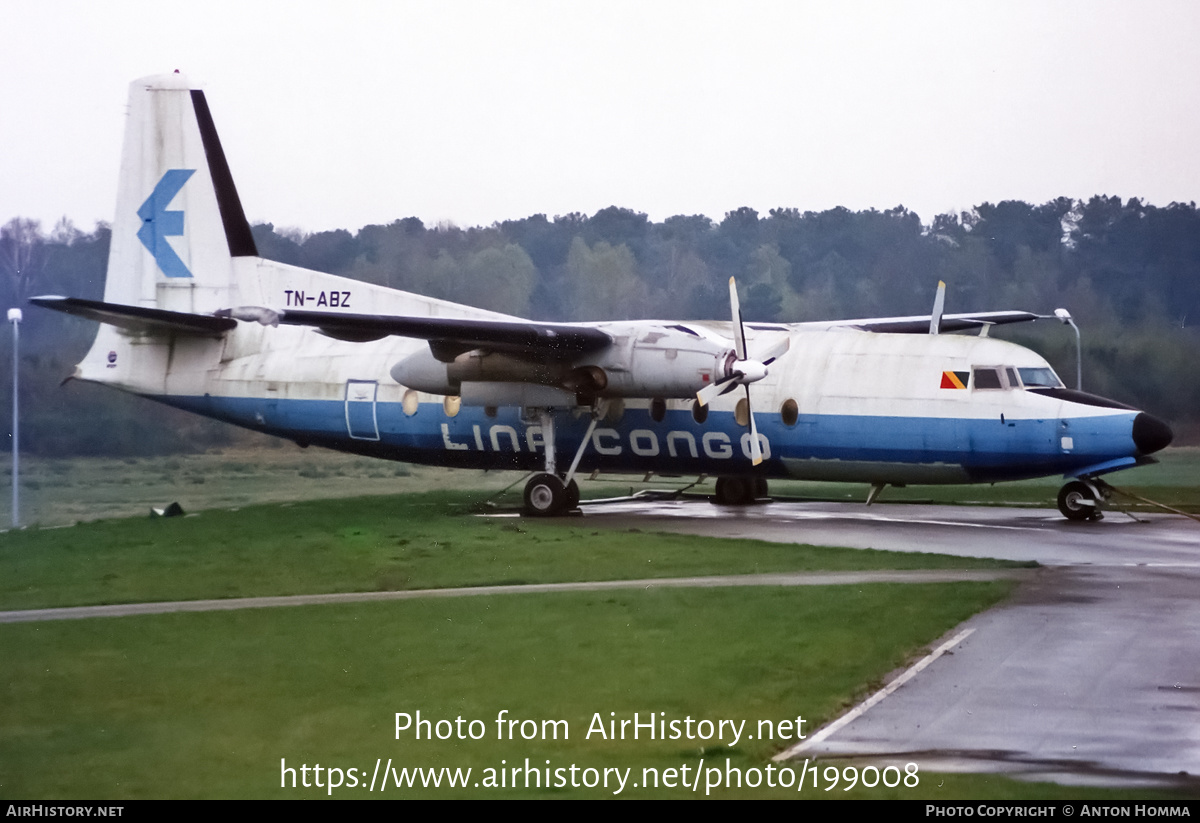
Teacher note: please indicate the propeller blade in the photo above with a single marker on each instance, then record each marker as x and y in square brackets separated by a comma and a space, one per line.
[739, 334]
[935, 320]
[711, 392]
[775, 352]
[755, 450]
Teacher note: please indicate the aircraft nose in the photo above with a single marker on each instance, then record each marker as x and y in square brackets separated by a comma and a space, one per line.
[1151, 434]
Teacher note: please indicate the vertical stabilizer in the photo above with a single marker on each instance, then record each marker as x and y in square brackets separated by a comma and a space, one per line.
[179, 222]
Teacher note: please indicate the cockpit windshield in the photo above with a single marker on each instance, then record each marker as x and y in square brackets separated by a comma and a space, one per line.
[1040, 378]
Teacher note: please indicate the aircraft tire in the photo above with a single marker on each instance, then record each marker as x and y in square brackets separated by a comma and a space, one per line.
[734, 491]
[546, 496]
[760, 487]
[572, 493]
[1073, 501]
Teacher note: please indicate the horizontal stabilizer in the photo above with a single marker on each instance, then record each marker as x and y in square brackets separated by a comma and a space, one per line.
[138, 318]
[449, 337]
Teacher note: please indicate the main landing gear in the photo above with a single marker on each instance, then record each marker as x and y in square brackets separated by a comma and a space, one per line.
[1082, 499]
[549, 494]
[739, 491]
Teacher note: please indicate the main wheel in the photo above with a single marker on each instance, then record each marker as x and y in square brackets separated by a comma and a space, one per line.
[734, 491]
[1077, 501]
[546, 496]
[572, 496]
[760, 487]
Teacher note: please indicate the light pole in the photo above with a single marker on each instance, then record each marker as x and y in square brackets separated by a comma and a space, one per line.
[1065, 316]
[14, 317]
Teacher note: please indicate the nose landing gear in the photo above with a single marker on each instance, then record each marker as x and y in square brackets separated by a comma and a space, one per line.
[1082, 499]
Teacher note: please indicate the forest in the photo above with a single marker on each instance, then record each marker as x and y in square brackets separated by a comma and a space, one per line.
[1128, 271]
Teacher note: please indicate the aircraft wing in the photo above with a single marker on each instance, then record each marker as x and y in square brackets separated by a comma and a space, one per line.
[450, 336]
[447, 336]
[919, 324]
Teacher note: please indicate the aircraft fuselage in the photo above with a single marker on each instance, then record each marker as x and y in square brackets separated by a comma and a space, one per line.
[841, 405]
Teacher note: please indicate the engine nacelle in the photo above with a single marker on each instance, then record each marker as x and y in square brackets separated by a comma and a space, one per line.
[525, 395]
[662, 361]
[423, 371]
[643, 361]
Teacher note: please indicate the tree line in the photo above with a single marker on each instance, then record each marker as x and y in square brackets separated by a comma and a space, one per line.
[1128, 271]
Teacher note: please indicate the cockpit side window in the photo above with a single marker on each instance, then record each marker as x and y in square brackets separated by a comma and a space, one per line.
[986, 378]
[1040, 378]
[1011, 374]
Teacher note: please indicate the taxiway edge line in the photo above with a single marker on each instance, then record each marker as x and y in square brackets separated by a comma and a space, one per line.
[861, 708]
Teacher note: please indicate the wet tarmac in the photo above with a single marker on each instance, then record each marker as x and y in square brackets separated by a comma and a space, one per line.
[1090, 674]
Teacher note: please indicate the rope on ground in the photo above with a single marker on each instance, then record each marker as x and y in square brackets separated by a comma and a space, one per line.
[1155, 503]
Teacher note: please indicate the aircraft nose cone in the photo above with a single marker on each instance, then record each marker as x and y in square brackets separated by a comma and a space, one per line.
[1151, 434]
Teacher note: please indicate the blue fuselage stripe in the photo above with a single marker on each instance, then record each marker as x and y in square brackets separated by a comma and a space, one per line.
[985, 449]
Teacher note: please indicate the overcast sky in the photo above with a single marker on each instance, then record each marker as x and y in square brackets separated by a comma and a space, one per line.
[473, 112]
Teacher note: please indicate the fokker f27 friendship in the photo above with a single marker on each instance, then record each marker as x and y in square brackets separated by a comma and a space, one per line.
[194, 318]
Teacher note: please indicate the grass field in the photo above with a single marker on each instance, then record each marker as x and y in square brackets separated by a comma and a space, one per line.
[217, 704]
[62, 492]
[205, 705]
[373, 544]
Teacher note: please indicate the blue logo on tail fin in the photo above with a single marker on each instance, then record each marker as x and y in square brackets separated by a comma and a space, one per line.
[158, 224]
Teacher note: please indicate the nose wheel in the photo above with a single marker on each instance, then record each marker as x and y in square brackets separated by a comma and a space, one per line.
[1079, 500]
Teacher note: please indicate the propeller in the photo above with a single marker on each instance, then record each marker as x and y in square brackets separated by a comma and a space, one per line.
[939, 301]
[742, 370]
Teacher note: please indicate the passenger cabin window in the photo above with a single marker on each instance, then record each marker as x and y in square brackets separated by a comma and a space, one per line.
[987, 379]
[1044, 378]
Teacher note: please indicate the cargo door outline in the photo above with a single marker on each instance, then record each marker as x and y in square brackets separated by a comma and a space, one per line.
[361, 420]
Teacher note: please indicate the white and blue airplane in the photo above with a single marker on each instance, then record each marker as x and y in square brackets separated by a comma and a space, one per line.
[194, 318]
